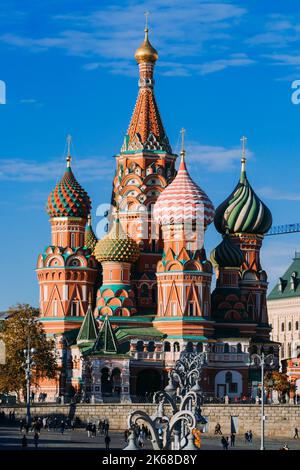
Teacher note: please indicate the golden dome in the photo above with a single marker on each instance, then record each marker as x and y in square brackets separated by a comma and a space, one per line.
[116, 246]
[146, 52]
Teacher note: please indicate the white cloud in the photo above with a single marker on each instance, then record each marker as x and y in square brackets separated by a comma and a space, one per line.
[215, 158]
[189, 30]
[85, 169]
[278, 195]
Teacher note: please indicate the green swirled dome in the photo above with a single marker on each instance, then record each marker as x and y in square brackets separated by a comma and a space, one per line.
[243, 211]
[227, 255]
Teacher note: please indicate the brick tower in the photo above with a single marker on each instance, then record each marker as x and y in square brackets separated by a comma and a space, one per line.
[184, 274]
[66, 269]
[145, 166]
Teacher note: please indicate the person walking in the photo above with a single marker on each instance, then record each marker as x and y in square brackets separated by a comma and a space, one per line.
[224, 443]
[126, 435]
[89, 428]
[24, 442]
[296, 434]
[62, 427]
[36, 439]
[247, 437]
[250, 437]
[218, 429]
[21, 425]
[232, 439]
[107, 441]
[94, 430]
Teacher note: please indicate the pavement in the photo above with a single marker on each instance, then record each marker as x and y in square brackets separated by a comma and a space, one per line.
[10, 439]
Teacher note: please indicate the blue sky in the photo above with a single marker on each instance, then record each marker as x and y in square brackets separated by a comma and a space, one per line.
[225, 70]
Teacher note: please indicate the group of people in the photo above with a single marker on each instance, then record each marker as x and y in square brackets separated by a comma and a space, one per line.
[102, 428]
[248, 437]
[141, 434]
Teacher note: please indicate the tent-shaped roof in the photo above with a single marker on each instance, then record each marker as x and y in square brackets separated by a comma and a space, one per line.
[106, 341]
[89, 329]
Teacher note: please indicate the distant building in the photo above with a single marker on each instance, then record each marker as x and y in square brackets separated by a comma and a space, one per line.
[284, 311]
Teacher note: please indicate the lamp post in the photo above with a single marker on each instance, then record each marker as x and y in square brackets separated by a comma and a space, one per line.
[262, 360]
[29, 363]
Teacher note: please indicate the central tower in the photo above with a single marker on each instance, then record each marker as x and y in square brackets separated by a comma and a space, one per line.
[145, 166]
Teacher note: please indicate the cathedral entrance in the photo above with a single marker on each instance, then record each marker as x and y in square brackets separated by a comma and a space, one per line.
[148, 382]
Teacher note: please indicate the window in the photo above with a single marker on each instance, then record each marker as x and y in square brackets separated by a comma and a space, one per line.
[191, 309]
[282, 326]
[226, 348]
[54, 308]
[297, 325]
[290, 326]
[72, 240]
[144, 290]
[75, 309]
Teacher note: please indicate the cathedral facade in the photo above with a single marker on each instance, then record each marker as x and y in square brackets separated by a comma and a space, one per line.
[123, 308]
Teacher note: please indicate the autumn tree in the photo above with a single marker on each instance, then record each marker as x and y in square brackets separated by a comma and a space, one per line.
[19, 331]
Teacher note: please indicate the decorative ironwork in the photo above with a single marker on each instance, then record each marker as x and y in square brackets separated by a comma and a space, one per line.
[183, 395]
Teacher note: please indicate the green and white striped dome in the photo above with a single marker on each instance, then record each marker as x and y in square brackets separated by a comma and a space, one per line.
[243, 211]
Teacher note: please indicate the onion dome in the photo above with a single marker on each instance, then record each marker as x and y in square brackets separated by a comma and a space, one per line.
[183, 201]
[117, 246]
[68, 198]
[90, 239]
[146, 52]
[243, 211]
[227, 255]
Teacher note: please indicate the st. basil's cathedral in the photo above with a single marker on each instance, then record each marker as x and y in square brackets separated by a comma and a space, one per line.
[123, 308]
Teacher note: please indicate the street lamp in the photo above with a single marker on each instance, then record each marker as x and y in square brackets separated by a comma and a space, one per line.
[261, 361]
[29, 363]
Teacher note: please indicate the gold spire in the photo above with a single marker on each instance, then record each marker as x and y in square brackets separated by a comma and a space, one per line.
[182, 152]
[243, 159]
[69, 158]
[146, 52]
[90, 300]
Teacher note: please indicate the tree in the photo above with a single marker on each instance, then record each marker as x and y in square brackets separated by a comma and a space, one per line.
[20, 330]
[279, 382]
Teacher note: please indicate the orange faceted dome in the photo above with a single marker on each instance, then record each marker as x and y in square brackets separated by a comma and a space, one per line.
[146, 52]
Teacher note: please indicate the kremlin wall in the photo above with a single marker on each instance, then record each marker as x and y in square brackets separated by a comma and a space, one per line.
[281, 420]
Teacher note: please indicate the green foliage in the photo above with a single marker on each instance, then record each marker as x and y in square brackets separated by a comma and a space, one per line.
[20, 330]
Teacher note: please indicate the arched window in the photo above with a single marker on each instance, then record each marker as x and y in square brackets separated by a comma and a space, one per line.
[199, 347]
[189, 347]
[226, 348]
[297, 325]
[73, 240]
[144, 290]
[75, 308]
[228, 377]
[176, 347]
[239, 348]
[167, 346]
[140, 346]
[151, 346]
